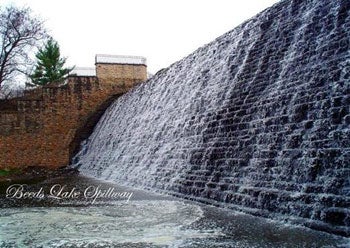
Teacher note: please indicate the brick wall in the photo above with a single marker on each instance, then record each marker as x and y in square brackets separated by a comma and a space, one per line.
[110, 73]
[48, 124]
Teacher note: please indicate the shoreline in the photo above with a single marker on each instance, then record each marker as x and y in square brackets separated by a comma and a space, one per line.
[35, 174]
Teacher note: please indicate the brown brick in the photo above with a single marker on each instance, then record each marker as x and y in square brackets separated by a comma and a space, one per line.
[42, 130]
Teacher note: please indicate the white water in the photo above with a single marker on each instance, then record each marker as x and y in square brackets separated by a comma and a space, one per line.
[147, 222]
[255, 119]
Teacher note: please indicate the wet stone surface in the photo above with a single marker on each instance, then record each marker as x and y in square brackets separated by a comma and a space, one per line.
[258, 120]
[146, 220]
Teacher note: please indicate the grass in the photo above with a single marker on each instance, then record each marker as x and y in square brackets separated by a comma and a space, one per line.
[6, 172]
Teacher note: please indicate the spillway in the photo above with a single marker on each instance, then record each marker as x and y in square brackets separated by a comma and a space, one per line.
[257, 120]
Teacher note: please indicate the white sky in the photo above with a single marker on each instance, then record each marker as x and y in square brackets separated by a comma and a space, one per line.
[163, 31]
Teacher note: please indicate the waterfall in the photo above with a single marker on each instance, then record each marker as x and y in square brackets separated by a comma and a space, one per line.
[257, 120]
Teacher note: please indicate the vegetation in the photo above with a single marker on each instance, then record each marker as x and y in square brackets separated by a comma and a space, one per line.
[50, 65]
[6, 172]
[20, 32]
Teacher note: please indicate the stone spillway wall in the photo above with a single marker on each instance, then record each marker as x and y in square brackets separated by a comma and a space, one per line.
[257, 120]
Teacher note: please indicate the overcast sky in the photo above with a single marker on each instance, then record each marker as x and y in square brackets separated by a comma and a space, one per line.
[163, 31]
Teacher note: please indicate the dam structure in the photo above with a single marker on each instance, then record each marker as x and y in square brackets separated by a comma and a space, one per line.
[45, 126]
[257, 121]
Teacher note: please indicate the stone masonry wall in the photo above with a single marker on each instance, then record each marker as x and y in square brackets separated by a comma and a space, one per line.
[111, 73]
[257, 120]
[44, 129]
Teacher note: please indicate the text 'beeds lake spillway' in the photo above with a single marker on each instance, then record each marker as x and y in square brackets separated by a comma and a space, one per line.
[258, 120]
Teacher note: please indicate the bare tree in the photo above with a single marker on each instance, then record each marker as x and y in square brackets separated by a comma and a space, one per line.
[19, 34]
[7, 91]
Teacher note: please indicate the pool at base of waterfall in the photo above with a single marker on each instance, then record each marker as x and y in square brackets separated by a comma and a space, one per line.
[66, 215]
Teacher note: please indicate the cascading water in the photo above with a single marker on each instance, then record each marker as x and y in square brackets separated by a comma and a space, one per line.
[257, 120]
